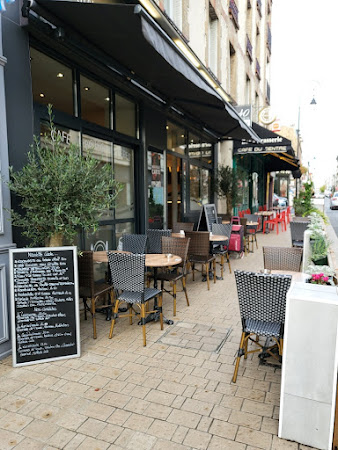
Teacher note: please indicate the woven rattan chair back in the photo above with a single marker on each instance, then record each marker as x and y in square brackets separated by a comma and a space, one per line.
[251, 217]
[199, 243]
[176, 246]
[282, 258]
[127, 271]
[86, 274]
[222, 229]
[135, 243]
[155, 240]
[244, 221]
[297, 231]
[262, 296]
[185, 226]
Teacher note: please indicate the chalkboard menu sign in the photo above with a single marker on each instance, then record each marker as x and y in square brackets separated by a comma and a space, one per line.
[208, 216]
[45, 304]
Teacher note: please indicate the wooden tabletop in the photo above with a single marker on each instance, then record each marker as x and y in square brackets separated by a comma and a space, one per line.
[252, 224]
[152, 259]
[162, 260]
[212, 237]
[265, 213]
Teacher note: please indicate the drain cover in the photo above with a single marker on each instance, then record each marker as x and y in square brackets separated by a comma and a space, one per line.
[196, 336]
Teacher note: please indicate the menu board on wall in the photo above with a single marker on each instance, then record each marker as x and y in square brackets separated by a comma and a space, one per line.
[45, 304]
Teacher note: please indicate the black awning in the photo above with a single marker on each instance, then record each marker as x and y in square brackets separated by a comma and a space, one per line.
[128, 35]
[277, 151]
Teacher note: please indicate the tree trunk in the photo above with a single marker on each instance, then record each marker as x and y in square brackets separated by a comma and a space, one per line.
[56, 240]
[229, 205]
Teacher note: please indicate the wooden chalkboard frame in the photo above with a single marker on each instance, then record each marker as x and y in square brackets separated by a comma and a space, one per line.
[203, 221]
[76, 310]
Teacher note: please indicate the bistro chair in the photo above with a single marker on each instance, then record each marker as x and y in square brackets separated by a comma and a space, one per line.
[262, 300]
[199, 253]
[298, 229]
[127, 274]
[282, 258]
[91, 289]
[155, 240]
[185, 226]
[134, 243]
[252, 230]
[275, 222]
[179, 247]
[222, 248]
[244, 221]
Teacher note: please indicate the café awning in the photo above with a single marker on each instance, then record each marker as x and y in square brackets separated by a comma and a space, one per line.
[277, 151]
[128, 35]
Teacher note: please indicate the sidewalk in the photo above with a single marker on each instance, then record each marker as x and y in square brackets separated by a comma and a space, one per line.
[176, 393]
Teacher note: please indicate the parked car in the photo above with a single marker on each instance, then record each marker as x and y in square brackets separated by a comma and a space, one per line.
[279, 201]
[334, 201]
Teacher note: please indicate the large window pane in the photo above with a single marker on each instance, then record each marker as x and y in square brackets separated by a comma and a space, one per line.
[66, 135]
[102, 151]
[52, 82]
[95, 102]
[122, 228]
[176, 138]
[124, 173]
[125, 116]
[199, 187]
[194, 146]
[156, 190]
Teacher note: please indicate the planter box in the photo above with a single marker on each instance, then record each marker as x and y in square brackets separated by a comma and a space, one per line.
[310, 363]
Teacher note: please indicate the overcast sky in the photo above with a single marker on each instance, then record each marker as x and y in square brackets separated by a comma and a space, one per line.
[304, 64]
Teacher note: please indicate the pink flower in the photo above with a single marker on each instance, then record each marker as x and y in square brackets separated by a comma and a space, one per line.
[326, 279]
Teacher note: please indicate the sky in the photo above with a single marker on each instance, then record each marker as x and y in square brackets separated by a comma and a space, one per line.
[304, 65]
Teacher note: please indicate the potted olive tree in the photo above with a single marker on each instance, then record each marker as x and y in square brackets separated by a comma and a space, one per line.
[60, 191]
[226, 185]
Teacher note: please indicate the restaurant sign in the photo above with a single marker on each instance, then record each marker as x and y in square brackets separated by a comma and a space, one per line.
[261, 149]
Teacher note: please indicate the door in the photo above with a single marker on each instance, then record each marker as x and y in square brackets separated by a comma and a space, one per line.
[174, 189]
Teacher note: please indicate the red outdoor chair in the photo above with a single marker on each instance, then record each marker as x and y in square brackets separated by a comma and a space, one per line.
[275, 221]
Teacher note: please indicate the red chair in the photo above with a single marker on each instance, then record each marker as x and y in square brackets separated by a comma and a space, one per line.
[265, 208]
[241, 214]
[282, 220]
[288, 214]
[272, 222]
[260, 208]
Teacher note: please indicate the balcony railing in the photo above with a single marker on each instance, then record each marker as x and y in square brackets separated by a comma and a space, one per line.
[268, 39]
[258, 70]
[259, 7]
[233, 13]
[248, 48]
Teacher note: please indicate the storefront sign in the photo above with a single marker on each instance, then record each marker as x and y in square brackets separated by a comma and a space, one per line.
[45, 304]
[264, 149]
[245, 113]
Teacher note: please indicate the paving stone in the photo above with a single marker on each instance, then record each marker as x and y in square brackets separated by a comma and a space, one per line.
[39, 430]
[138, 422]
[245, 419]
[218, 443]
[223, 429]
[255, 438]
[9, 439]
[162, 429]
[14, 422]
[282, 444]
[184, 418]
[197, 439]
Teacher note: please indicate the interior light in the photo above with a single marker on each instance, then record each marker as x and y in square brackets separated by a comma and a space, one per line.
[182, 135]
[86, 88]
[42, 94]
[187, 52]
[167, 127]
[107, 99]
[148, 5]
[60, 75]
[208, 78]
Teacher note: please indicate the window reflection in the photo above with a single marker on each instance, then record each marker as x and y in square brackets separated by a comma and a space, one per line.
[95, 101]
[156, 190]
[199, 187]
[124, 173]
[52, 82]
[125, 116]
[194, 146]
[176, 138]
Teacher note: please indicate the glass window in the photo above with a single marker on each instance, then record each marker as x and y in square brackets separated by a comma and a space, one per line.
[199, 187]
[194, 146]
[95, 101]
[122, 228]
[124, 173]
[125, 116]
[101, 150]
[156, 190]
[52, 82]
[206, 152]
[176, 138]
[67, 136]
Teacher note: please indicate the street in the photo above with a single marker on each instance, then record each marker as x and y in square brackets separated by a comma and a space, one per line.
[331, 214]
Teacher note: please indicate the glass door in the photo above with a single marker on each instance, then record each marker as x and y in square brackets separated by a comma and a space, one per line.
[156, 183]
[174, 189]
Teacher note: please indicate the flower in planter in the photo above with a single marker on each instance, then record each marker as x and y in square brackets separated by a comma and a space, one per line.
[319, 278]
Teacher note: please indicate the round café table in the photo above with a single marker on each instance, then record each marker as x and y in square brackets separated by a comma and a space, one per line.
[212, 237]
